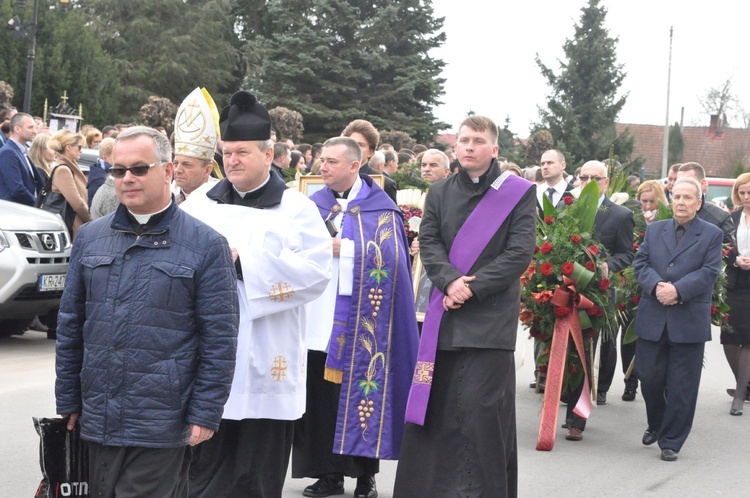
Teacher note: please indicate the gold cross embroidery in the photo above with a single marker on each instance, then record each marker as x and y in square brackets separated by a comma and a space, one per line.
[341, 340]
[423, 372]
[281, 292]
[278, 370]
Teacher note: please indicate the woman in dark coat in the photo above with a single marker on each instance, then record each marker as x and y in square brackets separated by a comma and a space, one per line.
[737, 343]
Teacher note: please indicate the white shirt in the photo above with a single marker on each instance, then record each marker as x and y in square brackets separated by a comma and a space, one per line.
[559, 191]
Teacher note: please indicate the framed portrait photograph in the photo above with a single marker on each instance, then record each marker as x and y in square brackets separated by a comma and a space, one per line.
[422, 288]
[309, 184]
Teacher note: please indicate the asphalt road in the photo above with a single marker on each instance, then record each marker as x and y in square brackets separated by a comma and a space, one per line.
[610, 461]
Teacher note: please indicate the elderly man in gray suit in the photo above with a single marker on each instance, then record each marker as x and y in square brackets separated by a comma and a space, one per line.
[676, 267]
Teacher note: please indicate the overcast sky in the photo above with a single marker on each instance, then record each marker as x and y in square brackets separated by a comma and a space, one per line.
[491, 45]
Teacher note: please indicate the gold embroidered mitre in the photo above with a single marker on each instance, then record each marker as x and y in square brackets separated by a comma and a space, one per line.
[196, 127]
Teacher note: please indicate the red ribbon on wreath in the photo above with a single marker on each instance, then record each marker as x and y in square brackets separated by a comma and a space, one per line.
[568, 325]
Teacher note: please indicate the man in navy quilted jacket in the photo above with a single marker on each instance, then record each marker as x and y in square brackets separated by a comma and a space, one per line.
[147, 329]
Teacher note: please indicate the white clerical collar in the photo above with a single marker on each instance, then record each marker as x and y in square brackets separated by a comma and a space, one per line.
[354, 190]
[143, 218]
[243, 194]
[474, 180]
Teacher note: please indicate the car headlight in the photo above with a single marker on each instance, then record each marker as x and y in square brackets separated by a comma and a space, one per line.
[3, 241]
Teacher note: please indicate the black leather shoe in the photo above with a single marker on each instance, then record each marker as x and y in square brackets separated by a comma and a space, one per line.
[649, 437]
[365, 487]
[628, 395]
[668, 455]
[328, 485]
[601, 398]
[735, 413]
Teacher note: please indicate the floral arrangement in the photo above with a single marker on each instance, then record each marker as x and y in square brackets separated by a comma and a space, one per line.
[412, 220]
[566, 277]
[411, 203]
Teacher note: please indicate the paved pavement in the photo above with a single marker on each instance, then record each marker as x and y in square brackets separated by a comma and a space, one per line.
[610, 461]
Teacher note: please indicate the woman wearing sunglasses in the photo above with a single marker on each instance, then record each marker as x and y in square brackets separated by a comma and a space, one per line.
[67, 177]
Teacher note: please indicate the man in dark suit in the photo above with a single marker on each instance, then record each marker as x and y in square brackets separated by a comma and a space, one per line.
[555, 186]
[614, 227]
[20, 181]
[708, 211]
[676, 266]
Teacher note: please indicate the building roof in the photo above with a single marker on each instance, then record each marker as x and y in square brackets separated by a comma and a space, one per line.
[719, 150]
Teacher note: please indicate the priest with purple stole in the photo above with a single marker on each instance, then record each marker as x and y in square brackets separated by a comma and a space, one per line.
[476, 240]
[362, 334]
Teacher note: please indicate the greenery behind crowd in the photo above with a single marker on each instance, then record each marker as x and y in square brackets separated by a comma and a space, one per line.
[331, 61]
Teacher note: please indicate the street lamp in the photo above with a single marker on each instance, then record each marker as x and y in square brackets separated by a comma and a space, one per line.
[19, 31]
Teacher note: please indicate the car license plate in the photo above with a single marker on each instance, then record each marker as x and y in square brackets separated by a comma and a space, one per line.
[51, 282]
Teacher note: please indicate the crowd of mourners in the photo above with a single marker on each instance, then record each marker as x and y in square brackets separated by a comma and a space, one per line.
[217, 323]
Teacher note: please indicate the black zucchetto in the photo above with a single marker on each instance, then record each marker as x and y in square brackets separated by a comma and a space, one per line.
[244, 119]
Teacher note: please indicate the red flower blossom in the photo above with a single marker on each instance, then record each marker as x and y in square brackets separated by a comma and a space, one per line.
[621, 307]
[567, 268]
[604, 284]
[561, 310]
[593, 249]
[547, 269]
[567, 199]
[576, 239]
[590, 266]
[546, 248]
[714, 310]
[636, 299]
[542, 367]
[635, 246]
[536, 249]
[549, 220]
[592, 311]
[572, 369]
[591, 334]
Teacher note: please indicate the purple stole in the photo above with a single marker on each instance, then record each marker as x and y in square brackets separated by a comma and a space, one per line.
[474, 235]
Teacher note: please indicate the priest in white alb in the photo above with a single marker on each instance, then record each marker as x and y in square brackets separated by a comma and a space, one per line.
[283, 258]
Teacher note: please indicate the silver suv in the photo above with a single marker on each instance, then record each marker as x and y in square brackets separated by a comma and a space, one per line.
[34, 256]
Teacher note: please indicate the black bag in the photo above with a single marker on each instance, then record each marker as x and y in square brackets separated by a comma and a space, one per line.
[55, 202]
[64, 459]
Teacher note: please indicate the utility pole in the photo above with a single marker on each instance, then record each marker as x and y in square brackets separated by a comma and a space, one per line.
[31, 56]
[665, 148]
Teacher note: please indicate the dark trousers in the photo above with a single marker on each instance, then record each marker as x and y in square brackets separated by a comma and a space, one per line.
[467, 446]
[131, 472]
[312, 454]
[670, 375]
[572, 419]
[608, 361]
[607, 364]
[245, 458]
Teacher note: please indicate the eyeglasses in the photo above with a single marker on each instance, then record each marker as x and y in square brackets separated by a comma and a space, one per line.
[77, 145]
[585, 178]
[139, 170]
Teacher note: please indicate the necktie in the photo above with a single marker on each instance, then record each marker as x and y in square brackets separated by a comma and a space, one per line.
[550, 193]
[680, 232]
